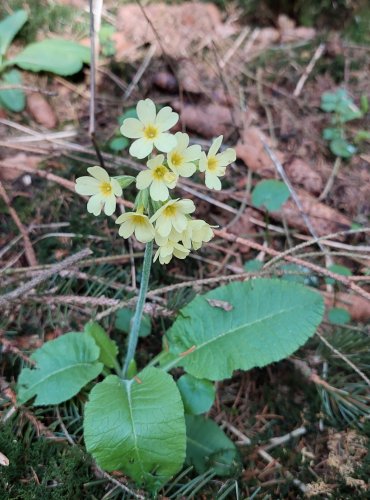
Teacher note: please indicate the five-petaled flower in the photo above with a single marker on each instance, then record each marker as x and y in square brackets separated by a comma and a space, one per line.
[138, 223]
[180, 159]
[168, 249]
[102, 189]
[158, 177]
[214, 164]
[172, 215]
[150, 129]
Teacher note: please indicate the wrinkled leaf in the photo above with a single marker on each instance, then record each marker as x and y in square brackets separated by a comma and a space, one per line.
[271, 194]
[137, 426]
[208, 447]
[62, 57]
[271, 319]
[9, 27]
[108, 348]
[63, 367]
[12, 99]
[197, 394]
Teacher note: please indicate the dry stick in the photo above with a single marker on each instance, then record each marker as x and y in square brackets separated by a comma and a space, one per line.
[330, 181]
[320, 270]
[28, 89]
[318, 53]
[30, 253]
[93, 53]
[20, 291]
[148, 57]
[344, 358]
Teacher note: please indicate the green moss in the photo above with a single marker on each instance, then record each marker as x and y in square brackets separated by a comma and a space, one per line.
[43, 469]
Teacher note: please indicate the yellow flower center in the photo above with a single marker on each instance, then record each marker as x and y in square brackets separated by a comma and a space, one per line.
[170, 211]
[105, 188]
[177, 159]
[159, 172]
[150, 132]
[212, 163]
[138, 220]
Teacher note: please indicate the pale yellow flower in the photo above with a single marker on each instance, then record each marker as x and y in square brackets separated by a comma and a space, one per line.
[214, 164]
[170, 249]
[172, 215]
[181, 158]
[102, 189]
[158, 177]
[196, 233]
[150, 129]
[138, 223]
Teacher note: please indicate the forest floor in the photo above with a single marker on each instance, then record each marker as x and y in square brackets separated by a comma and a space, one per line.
[259, 81]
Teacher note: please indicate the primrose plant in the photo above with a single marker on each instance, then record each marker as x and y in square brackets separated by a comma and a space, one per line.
[144, 421]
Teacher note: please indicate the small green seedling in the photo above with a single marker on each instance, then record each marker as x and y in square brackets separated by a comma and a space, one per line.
[271, 194]
[62, 57]
[343, 110]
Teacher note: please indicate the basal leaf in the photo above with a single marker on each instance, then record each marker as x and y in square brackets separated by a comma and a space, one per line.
[270, 193]
[108, 348]
[9, 27]
[137, 426]
[63, 367]
[269, 320]
[123, 322]
[12, 99]
[62, 57]
[197, 394]
[208, 447]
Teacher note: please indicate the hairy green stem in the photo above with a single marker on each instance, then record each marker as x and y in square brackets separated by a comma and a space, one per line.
[136, 320]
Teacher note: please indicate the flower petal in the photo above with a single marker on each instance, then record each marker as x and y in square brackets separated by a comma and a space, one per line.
[123, 217]
[110, 205]
[180, 222]
[186, 170]
[182, 141]
[87, 186]
[186, 206]
[141, 148]
[99, 173]
[226, 157]
[144, 179]
[213, 182]
[203, 162]
[193, 152]
[215, 146]
[166, 119]
[117, 190]
[158, 191]
[144, 232]
[126, 229]
[165, 142]
[95, 204]
[146, 111]
[132, 128]
[164, 226]
[155, 162]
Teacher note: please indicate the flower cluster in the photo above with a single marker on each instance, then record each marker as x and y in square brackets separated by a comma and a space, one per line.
[157, 216]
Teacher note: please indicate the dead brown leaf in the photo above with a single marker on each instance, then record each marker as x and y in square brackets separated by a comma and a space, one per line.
[208, 120]
[41, 110]
[9, 174]
[4, 460]
[357, 306]
[290, 33]
[182, 28]
[220, 304]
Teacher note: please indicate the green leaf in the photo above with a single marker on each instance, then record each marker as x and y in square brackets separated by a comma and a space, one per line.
[342, 148]
[125, 180]
[9, 27]
[299, 274]
[338, 269]
[123, 322]
[271, 194]
[197, 394]
[137, 426]
[253, 265]
[62, 57]
[63, 367]
[108, 348]
[331, 133]
[339, 316]
[12, 99]
[268, 321]
[364, 103]
[130, 113]
[118, 144]
[208, 447]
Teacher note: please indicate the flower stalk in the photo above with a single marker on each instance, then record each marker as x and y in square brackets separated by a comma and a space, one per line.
[136, 320]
